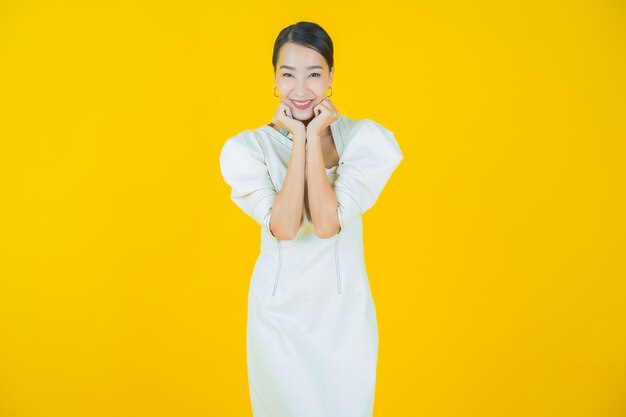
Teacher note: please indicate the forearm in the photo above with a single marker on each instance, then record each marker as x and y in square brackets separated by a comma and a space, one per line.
[287, 208]
[322, 199]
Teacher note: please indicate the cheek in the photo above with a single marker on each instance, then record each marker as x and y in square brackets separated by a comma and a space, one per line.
[320, 90]
[282, 86]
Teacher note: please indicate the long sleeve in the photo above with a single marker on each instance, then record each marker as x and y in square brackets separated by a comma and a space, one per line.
[369, 159]
[243, 167]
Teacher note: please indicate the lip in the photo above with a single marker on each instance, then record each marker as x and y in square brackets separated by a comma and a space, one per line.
[299, 107]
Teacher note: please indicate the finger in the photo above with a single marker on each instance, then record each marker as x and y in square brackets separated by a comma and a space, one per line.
[283, 109]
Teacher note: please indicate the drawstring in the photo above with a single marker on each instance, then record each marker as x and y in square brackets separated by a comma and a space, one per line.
[280, 259]
[337, 269]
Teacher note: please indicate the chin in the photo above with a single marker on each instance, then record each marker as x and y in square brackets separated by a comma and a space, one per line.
[297, 114]
[304, 119]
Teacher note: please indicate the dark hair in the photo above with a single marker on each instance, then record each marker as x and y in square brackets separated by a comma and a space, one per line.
[308, 34]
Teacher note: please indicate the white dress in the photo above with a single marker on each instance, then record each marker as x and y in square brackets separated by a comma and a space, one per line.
[312, 336]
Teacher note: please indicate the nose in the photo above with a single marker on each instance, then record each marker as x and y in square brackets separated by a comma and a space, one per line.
[301, 90]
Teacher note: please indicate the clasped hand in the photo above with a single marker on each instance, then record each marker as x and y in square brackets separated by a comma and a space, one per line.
[324, 114]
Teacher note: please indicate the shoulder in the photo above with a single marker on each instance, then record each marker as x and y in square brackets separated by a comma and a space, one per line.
[369, 124]
[242, 149]
[246, 138]
[259, 140]
[355, 127]
[369, 133]
[247, 141]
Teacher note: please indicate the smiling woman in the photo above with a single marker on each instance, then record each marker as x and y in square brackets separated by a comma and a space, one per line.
[306, 68]
[312, 336]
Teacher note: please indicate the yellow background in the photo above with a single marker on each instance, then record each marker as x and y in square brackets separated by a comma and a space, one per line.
[496, 253]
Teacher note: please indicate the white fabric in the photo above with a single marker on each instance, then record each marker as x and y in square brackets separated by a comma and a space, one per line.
[312, 336]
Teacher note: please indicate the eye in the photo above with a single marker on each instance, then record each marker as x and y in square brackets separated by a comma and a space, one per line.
[315, 73]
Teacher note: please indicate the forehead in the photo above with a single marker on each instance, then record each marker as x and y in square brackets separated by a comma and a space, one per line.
[299, 56]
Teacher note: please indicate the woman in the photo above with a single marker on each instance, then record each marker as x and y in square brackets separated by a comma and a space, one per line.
[306, 178]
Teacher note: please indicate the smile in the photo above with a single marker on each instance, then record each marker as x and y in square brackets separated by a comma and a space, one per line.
[302, 105]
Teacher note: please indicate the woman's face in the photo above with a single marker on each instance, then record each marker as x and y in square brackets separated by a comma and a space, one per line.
[302, 74]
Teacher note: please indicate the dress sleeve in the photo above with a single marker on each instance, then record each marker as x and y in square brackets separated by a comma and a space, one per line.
[369, 159]
[243, 167]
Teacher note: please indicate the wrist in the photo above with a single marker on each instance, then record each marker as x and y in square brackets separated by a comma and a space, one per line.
[300, 134]
[313, 137]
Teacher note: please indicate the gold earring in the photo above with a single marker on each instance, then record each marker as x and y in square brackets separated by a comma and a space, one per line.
[275, 92]
[331, 92]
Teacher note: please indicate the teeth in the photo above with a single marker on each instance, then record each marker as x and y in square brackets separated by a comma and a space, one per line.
[302, 103]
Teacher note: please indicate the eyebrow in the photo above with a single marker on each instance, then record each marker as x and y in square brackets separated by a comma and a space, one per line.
[293, 68]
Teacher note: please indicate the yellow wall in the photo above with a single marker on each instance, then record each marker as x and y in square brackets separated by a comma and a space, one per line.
[495, 254]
